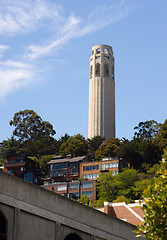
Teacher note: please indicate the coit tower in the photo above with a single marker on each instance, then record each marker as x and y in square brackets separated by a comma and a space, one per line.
[101, 93]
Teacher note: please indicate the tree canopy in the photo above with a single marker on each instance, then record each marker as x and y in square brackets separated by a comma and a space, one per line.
[10, 147]
[128, 184]
[30, 126]
[108, 149]
[161, 137]
[154, 226]
[34, 137]
[76, 145]
[93, 145]
[147, 130]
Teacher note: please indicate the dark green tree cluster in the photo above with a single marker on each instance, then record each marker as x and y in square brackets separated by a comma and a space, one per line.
[147, 145]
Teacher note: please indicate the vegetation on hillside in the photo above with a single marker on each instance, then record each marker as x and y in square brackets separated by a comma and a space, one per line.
[155, 208]
[33, 137]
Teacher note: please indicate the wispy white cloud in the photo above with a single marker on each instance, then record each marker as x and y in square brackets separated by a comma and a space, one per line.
[18, 16]
[13, 76]
[75, 27]
[104, 16]
[66, 32]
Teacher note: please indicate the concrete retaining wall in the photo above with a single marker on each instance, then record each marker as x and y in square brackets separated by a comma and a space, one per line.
[35, 213]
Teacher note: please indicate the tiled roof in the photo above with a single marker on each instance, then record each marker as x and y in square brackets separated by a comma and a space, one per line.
[127, 212]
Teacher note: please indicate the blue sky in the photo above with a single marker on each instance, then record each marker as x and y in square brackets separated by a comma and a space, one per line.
[45, 47]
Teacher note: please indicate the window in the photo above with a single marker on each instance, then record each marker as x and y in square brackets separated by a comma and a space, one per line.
[91, 167]
[20, 159]
[61, 187]
[29, 177]
[74, 167]
[109, 165]
[106, 70]
[106, 57]
[87, 185]
[59, 169]
[59, 165]
[10, 171]
[97, 69]
[91, 176]
[53, 188]
[115, 172]
[74, 186]
[74, 195]
[98, 50]
[51, 167]
[106, 51]
[97, 57]
[22, 169]
[88, 193]
[11, 161]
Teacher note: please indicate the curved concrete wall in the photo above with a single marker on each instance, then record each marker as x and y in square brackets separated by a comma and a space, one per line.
[35, 213]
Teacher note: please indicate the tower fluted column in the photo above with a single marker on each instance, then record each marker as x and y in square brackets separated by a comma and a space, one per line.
[101, 93]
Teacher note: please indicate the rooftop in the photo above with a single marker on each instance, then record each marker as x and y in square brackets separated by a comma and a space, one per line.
[67, 159]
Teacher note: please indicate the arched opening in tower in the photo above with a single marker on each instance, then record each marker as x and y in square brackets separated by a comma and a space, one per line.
[3, 227]
[106, 70]
[106, 51]
[98, 51]
[97, 69]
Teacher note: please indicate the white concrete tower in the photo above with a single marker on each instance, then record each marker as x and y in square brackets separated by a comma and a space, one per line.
[101, 93]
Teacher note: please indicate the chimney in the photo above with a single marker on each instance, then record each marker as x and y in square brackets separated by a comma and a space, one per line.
[108, 209]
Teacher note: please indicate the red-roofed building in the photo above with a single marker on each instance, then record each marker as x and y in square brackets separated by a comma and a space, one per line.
[131, 213]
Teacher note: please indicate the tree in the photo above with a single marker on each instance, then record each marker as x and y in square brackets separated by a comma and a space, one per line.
[43, 160]
[121, 199]
[76, 145]
[125, 181]
[145, 180]
[154, 226]
[84, 200]
[108, 149]
[93, 145]
[147, 130]
[161, 137]
[139, 152]
[64, 138]
[40, 147]
[60, 141]
[111, 187]
[106, 188]
[10, 147]
[30, 126]
[129, 152]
